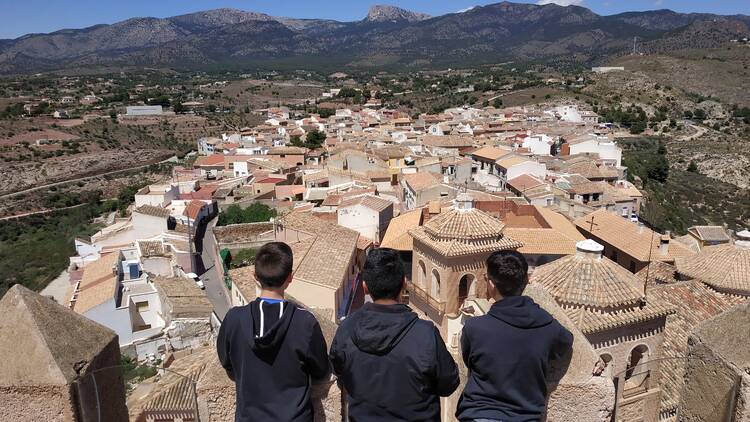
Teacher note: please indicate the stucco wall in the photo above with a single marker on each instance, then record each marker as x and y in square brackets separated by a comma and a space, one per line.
[36, 403]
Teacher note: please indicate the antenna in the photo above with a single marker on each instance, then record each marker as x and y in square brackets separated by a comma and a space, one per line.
[634, 41]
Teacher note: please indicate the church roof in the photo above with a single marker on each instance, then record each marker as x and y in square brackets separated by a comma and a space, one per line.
[723, 267]
[588, 280]
[595, 292]
[43, 343]
[459, 232]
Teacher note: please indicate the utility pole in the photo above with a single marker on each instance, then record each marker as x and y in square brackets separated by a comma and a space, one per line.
[634, 40]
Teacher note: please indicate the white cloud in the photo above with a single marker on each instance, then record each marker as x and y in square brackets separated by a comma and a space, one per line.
[562, 2]
[659, 3]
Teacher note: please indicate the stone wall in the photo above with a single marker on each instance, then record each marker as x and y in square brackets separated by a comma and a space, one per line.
[36, 403]
[717, 374]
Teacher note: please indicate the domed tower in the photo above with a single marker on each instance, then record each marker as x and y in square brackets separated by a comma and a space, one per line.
[609, 305]
[448, 264]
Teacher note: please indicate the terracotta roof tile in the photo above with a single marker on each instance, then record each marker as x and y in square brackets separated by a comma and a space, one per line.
[397, 235]
[723, 267]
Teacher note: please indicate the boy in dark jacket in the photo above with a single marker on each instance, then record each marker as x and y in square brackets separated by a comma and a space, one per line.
[393, 365]
[508, 351]
[272, 348]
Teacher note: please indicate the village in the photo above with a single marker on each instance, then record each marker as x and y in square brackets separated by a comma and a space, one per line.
[445, 190]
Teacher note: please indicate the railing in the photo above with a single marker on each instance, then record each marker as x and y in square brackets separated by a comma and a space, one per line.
[101, 395]
[424, 297]
[350, 293]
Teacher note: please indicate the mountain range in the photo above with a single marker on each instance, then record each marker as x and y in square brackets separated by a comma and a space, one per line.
[387, 36]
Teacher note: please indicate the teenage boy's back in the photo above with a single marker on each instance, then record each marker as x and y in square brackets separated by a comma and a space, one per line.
[393, 365]
[271, 347]
[272, 372]
[508, 351]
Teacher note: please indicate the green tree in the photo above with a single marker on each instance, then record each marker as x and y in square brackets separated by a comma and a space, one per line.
[692, 167]
[314, 139]
[497, 102]
[257, 212]
[243, 258]
[296, 141]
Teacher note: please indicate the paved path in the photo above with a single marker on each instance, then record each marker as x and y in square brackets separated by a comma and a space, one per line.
[58, 287]
[699, 131]
[215, 288]
[10, 217]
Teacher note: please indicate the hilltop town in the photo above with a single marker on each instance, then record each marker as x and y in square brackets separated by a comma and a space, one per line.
[144, 163]
[445, 190]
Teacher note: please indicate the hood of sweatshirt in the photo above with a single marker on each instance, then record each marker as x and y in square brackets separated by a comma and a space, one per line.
[379, 328]
[520, 312]
[273, 334]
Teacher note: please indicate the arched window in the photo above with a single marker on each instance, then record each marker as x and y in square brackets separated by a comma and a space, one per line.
[636, 363]
[435, 284]
[466, 288]
[422, 280]
[606, 358]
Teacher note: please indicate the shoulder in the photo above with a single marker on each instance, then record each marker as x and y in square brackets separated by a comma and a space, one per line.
[304, 315]
[235, 313]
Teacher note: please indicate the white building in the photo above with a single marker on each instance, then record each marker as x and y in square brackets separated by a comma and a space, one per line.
[144, 110]
[540, 144]
[368, 214]
[606, 148]
[157, 195]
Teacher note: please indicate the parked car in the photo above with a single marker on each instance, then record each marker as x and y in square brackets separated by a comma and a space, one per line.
[198, 281]
[634, 217]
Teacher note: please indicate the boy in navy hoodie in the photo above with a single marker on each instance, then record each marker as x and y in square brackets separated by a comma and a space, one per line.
[272, 348]
[508, 351]
[393, 365]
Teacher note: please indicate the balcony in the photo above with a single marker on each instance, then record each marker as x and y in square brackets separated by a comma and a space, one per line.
[424, 297]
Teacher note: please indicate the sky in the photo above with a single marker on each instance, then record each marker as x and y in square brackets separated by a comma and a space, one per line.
[19, 17]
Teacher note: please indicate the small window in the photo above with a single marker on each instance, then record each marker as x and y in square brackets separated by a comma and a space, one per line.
[142, 307]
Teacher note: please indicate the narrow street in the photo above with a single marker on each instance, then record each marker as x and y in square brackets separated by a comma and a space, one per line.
[206, 268]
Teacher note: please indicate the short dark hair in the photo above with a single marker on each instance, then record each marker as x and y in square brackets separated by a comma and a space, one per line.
[508, 271]
[273, 264]
[383, 273]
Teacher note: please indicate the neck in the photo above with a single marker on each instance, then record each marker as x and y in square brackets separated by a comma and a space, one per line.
[269, 293]
[386, 302]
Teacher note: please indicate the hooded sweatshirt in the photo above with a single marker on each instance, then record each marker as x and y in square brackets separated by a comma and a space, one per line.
[272, 349]
[507, 353]
[393, 365]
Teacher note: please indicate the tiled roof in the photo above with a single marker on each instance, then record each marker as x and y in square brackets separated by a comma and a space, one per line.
[397, 235]
[559, 222]
[370, 201]
[628, 237]
[193, 209]
[464, 232]
[693, 303]
[186, 300]
[153, 211]
[524, 181]
[447, 141]
[710, 233]
[327, 259]
[723, 267]
[214, 160]
[584, 279]
[508, 162]
[542, 241]
[151, 248]
[592, 320]
[287, 150]
[421, 181]
[98, 284]
[658, 273]
[490, 153]
[589, 169]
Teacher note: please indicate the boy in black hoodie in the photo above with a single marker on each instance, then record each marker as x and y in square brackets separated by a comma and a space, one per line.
[508, 351]
[393, 365]
[272, 348]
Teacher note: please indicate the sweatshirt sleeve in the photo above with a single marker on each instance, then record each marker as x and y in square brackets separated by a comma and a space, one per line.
[337, 355]
[224, 347]
[563, 342]
[465, 347]
[317, 364]
[446, 370]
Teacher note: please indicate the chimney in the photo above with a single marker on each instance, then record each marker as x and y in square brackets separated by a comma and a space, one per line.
[640, 227]
[664, 244]
[463, 202]
[589, 249]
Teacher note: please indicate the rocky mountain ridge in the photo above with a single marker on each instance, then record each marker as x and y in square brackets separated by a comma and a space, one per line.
[388, 35]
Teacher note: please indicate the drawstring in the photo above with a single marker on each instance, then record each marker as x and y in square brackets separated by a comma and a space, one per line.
[263, 319]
